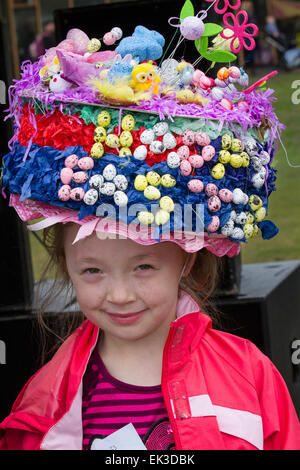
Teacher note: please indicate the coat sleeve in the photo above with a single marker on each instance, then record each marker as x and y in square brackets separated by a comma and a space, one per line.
[281, 425]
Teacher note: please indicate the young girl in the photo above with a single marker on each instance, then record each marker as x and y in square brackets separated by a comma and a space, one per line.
[159, 192]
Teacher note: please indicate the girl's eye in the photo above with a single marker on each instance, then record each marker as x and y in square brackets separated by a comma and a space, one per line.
[144, 267]
[92, 271]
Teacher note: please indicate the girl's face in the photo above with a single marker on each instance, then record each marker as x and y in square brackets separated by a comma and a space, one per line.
[128, 290]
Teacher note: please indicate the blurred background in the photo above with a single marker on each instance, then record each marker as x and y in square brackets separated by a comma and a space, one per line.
[260, 291]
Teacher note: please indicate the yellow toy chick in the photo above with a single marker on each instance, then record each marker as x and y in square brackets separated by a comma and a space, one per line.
[144, 78]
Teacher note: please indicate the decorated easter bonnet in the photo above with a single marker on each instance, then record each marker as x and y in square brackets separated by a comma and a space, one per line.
[116, 135]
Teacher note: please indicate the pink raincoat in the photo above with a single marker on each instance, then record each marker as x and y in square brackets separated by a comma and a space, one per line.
[220, 391]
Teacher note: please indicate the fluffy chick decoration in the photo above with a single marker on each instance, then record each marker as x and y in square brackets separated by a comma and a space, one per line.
[144, 78]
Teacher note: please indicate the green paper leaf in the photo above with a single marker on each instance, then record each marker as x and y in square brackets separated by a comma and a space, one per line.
[187, 10]
[212, 29]
[214, 56]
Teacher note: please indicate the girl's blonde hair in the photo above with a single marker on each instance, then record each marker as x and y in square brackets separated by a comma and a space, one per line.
[201, 284]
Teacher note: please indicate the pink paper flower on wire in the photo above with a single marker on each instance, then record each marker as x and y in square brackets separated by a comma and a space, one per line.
[239, 30]
[227, 3]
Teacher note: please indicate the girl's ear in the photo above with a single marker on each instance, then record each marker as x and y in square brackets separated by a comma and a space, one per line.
[190, 261]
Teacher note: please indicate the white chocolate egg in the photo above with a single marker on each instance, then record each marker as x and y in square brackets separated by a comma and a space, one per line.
[238, 233]
[120, 198]
[121, 182]
[147, 136]
[160, 128]
[169, 141]
[96, 181]
[108, 189]
[109, 172]
[91, 197]
[157, 147]
[173, 160]
[140, 153]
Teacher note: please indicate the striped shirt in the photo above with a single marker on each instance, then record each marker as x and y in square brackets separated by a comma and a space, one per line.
[109, 404]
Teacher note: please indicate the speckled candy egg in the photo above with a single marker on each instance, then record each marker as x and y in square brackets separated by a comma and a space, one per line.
[162, 217]
[185, 168]
[218, 171]
[183, 152]
[217, 93]
[201, 138]
[91, 197]
[211, 189]
[224, 156]
[196, 161]
[227, 228]
[238, 196]
[214, 225]
[97, 150]
[80, 177]
[173, 160]
[112, 141]
[140, 153]
[225, 195]
[126, 139]
[161, 128]
[208, 152]
[250, 218]
[145, 218]
[234, 72]
[152, 193]
[100, 134]
[195, 186]
[140, 182]
[153, 178]
[237, 145]
[71, 161]
[260, 214]
[128, 123]
[157, 147]
[93, 45]
[246, 159]
[168, 181]
[109, 172]
[124, 152]
[117, 32]
[251, 147]
[258, 180]
[214, 204]
[188, 137]
[256, 163]
[120, 199]
[147, 136]
[108, 189]
[66, 175]
[236, 161]
[226, 141]
[241, 218]
[103, 119]
[121, 182]
[166, 203]
[86, 163]
[64, 192]
[237, 233]
[265, 157]
[248, 230]
[77, 194]
[169, 141]
[255, 202]
[96, 181]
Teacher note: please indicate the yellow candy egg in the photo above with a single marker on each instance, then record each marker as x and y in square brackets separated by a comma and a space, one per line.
[224, 156]
[248, 230]
[112, 141]
[128, 123]
[124, 152]
[162, 217]
[140, 182]
[145, 218]
[104, 119]
[126, 139]
[226, 142]
[168, 181]
[237, 145]
[97, 150]
[153, 178]
[246, 159]
[185, 95]
[99, 134]
[167, 204]
[255, 202]
[93, 45]
[236, 160]
[218, 171]
[250, 218]
[152, 193]
[255, 230]
[260, 214]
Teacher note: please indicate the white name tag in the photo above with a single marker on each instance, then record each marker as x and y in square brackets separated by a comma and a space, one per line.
[125, 438]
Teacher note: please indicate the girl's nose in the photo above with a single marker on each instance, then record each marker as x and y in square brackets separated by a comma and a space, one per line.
[120, 292]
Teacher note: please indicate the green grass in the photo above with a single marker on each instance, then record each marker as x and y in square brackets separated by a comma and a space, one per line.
[284, 203]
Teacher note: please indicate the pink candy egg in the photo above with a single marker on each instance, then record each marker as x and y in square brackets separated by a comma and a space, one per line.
[226, 104]
[80, 40]
[66, 175]
[183, 152]
[202, 138]
[196, 161]
[185, 168]
[109, 39]
[188, 137]
[64, 192]
[234, 72]
[208, 152]
[86, 163]
[196, 77]
[205, 82]
[77, 194]
[196, 186]
[211, 189]
[71, 161]
[225, 195]
[214, 204]
[214, 225]
[80, 177]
